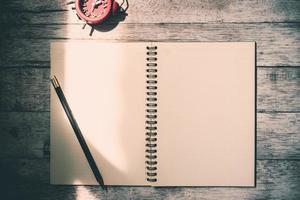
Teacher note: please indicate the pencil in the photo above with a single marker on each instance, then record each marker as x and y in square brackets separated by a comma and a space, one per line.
[77, 131]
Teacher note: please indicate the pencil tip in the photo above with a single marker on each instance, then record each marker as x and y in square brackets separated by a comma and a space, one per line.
[103, 187]
[101, 183]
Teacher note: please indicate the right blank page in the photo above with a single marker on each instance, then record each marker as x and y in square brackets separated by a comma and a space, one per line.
[206, 114]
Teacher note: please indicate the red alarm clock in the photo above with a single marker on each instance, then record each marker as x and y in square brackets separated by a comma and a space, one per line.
[96, 11]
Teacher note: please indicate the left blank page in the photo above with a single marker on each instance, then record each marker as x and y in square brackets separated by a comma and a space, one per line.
[104, 86]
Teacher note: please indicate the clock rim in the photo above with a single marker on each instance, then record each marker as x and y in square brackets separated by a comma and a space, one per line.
[92, 21]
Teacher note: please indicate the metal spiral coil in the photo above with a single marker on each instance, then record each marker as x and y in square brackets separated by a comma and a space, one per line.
[151, 113]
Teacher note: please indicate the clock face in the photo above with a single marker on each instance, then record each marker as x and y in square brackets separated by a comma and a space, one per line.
[93, 11]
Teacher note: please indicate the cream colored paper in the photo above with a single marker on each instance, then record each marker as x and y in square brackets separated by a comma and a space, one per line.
[206, 107]
[205, 113]
[104, 84]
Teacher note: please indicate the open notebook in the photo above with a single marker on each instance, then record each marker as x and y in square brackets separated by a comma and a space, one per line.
[159, 114]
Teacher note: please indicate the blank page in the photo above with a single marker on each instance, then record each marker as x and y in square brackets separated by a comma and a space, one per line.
[104, 84]
[206, 114]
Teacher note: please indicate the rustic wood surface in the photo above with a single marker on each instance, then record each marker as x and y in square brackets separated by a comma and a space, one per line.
[165, 11]
[276, 179]
[277, 44]
[27, 135]
[28, 27]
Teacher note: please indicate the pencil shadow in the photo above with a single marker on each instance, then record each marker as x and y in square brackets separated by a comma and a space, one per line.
[86, 191]
[108, 124]
[103, 163]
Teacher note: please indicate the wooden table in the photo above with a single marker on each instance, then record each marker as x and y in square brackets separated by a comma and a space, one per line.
[27, 27]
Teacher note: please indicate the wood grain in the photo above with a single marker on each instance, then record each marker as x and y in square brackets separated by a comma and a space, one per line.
[27, 27]
[277, 179]
[27, 135]
[278, 136]
[158, 11]
[24, 134]
[278, 89]
[25, 89]
[277, 44]
[28, 89]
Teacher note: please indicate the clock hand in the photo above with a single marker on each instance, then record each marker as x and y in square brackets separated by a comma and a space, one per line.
[95, 3]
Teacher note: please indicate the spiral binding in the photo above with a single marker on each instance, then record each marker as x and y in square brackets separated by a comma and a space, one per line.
[151, 114]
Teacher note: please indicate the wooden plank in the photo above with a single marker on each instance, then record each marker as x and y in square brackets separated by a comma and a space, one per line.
[278, 89]
[159, 11]
[26, 135]
[34, 6]
[28, 89]
[24, 52]
[278, 136]
[277, 44]
[276, 179]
